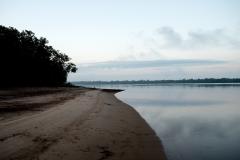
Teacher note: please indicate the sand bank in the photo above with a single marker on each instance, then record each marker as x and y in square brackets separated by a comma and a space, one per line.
[75, 124]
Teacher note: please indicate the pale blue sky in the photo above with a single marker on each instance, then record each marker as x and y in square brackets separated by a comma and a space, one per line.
[135, 30]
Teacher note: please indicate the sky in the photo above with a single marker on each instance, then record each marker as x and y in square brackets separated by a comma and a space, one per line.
[136, 39]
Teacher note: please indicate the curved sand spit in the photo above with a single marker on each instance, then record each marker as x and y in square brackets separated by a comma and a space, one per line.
[93, 125]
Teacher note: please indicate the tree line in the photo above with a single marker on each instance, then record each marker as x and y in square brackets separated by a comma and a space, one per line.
[205, 80]
[26, 60]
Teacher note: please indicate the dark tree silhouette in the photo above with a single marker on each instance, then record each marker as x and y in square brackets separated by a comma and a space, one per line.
[26, 60]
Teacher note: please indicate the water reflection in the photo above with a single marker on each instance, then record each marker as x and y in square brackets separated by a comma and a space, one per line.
[194, 123]
[169, 103]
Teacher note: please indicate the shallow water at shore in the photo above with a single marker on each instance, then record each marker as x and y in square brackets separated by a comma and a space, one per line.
[195, 121]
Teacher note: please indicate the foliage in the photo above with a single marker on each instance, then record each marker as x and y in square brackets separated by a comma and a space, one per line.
[26, 60]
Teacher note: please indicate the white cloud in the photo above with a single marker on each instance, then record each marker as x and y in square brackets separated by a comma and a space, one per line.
[169, 37]
[198, 40]
[166, 42]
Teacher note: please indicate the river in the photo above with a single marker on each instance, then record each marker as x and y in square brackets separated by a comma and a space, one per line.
[193, 121]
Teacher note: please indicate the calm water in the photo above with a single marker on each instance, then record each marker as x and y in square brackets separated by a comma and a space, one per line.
[194, 122]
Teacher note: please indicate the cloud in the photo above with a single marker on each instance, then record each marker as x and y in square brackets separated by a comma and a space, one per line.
[168, 54]
[150, 63]
[168, 38]
[157, 69]
[166, 43]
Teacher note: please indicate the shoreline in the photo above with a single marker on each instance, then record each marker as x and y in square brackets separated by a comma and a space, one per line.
[89, 124]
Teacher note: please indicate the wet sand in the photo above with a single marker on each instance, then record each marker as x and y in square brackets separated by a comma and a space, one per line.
[73, 123]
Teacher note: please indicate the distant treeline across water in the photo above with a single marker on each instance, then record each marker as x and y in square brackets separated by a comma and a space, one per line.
[205, 80]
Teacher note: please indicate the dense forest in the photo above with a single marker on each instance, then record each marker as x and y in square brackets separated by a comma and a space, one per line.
[26, 60]
[206, 80]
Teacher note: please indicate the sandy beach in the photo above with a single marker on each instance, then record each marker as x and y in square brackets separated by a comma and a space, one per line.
[73, 123]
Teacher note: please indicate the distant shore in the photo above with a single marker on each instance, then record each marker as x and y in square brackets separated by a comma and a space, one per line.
[73, 123]
[149, 82]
